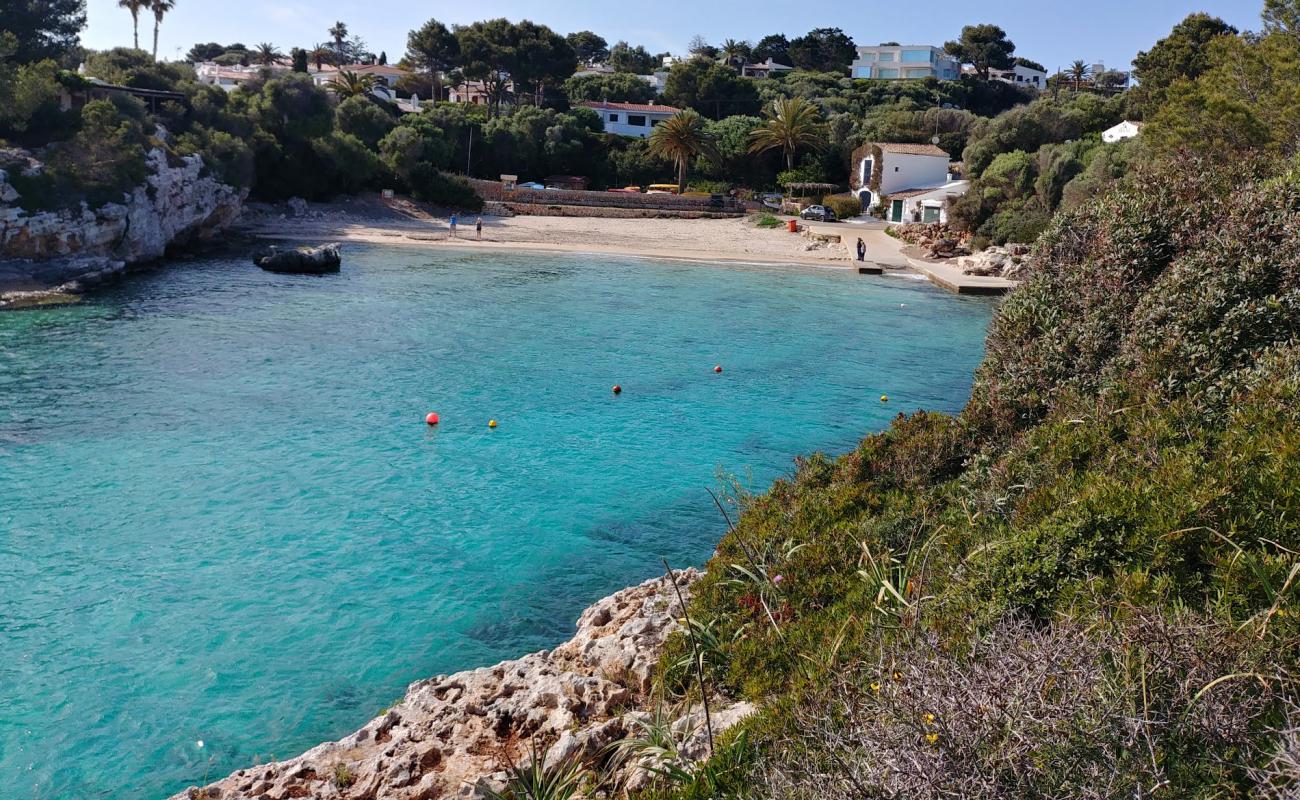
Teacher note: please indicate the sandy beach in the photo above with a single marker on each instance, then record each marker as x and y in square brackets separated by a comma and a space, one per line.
[737, 240]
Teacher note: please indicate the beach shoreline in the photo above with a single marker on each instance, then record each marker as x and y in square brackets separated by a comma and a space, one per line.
[734, 241]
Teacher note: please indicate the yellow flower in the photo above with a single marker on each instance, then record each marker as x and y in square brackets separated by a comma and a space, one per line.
[875, 687]
[932, 737]
[898, 676]
[929, 719]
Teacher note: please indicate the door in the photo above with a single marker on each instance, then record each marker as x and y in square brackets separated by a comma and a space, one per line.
[930, 214]
[896, 211]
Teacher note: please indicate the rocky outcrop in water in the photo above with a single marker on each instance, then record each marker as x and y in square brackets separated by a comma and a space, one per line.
[301, 260]
[453, 735]
[64, 252]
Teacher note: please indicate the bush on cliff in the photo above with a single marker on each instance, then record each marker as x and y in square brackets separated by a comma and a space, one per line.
[1116, 510]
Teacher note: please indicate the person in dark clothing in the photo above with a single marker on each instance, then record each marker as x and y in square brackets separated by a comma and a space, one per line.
[862, 250]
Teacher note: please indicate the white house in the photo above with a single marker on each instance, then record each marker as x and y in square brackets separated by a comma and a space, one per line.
[232, 77]
[630, 119]
[911, 181]
[1021, 75]
[764, 69]
[905, 62]
[1125, 130]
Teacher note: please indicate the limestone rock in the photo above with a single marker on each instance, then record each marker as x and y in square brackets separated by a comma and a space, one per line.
[178, 203]
[452, 736]
[302, 260]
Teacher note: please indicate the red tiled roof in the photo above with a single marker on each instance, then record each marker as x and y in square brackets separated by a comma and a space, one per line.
[912, 149]
[649, 109]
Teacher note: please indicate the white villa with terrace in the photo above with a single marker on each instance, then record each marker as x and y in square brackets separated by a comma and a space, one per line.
[912, 182]
[630, 119]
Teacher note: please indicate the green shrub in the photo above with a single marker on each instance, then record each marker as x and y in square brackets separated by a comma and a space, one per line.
[447, 191]
[767, 221]
[365, 119]
[845, 206]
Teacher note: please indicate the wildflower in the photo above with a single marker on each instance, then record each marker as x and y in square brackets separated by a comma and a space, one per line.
[932, 738]
[875, 687]
[898, 676]
[777, 579]
[929, 719]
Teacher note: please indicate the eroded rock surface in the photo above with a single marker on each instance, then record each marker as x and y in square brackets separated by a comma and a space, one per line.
[451, 735]
[69, 250]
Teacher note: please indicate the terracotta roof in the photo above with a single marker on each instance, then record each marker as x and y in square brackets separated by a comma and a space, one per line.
[649, 109]
[912, 149]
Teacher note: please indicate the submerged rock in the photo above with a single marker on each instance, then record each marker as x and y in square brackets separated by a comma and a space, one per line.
[302, 260]
[454, 735]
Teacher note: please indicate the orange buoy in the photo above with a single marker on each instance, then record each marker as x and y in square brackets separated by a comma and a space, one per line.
[617, 389]
[432, 418]
[492, 423]
[718, 368]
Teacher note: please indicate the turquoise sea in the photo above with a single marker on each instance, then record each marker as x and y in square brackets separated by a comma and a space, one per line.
[223, 519]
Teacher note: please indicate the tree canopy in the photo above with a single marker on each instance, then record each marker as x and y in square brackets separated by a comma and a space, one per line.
[710, 88]
[985, 47]
[822, 50]
[42, 28]
[1182, 55]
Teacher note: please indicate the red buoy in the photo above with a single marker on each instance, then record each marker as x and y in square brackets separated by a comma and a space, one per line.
[618, 389]
[718, 368]
[432, 418]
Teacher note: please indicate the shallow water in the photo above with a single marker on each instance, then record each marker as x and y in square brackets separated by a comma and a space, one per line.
[223, 519]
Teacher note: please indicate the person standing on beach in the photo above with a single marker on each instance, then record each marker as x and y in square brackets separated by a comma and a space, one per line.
[478, 228]
[862, 250]
[452, 233]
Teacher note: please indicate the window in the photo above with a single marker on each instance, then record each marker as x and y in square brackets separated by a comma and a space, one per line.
[887, 57]
[636, 120]
[916, 56]
[887, 73]
[655, 122]
[613, 117]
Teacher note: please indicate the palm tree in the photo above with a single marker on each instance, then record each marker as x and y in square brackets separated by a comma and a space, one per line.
[339, 33]
[321, 54]
[134, 7]
[350, 84]
[735, 53]
[790, 125]
[681, 138]
[267, 55]
[1079, 72]
[160, 9]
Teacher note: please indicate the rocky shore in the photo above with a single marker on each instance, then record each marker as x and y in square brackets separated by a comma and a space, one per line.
[54, 256]
[456, 736]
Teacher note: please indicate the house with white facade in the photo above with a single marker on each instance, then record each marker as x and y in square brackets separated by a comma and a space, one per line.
[630, 119]
[1125, 130]
[764, 69]
[905, 62]
[1021, 75]
[912, 182]
[233, 76]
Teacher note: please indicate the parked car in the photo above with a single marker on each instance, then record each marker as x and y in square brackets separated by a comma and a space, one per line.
[531, 185]
[818, 213]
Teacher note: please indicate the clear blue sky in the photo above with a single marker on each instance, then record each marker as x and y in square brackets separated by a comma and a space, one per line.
[1053, 32]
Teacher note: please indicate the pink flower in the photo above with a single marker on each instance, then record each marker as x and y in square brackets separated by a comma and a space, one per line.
[777, 579]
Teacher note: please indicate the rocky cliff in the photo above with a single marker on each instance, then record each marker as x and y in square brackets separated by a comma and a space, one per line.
[61, 253]
[454, 736]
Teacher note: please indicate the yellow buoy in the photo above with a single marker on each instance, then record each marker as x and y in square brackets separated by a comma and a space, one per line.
[884, 398]
[492, 423]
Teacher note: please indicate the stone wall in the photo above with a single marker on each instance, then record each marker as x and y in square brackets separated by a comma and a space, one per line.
[555, 198]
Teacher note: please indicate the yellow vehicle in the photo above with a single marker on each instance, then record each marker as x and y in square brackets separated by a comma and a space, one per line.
[661, 188]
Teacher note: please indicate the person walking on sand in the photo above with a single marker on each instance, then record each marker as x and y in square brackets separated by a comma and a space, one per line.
[478, 228]
[452, 228]
[862, 250]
